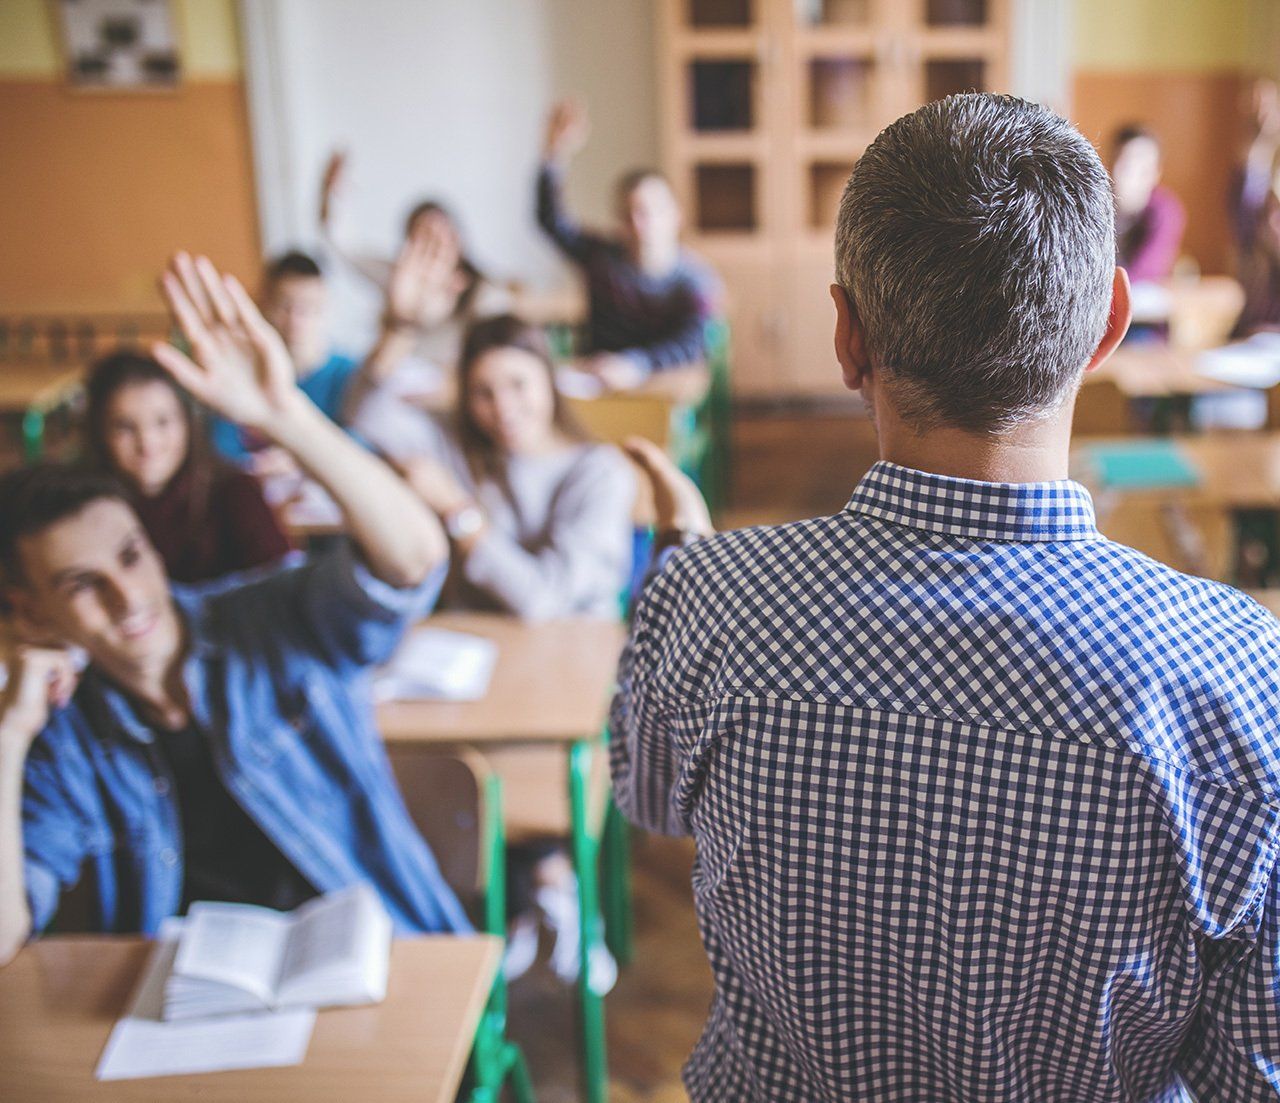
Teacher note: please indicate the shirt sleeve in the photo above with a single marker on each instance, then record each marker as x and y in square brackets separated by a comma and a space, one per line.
[331, 606]
[251, 532]
[556, 221]
[643, 759]
[585, 560]
[684, 343]
[54, 838]
[1232, 1051]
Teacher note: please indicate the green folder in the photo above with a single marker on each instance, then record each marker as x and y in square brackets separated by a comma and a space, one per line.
[1142, 465]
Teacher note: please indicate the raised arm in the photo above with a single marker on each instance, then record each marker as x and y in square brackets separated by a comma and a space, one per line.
[567, 130]
[240, 368]
[37, 678]
[373, 269]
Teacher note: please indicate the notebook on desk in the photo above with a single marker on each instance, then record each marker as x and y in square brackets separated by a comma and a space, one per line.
[1142, 465]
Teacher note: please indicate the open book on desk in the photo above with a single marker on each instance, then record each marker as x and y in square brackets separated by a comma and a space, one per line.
[332, 951]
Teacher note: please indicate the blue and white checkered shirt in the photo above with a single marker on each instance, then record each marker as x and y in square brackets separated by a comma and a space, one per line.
[986, 807]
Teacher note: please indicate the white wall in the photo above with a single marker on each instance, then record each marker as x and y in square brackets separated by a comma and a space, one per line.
[442, 98]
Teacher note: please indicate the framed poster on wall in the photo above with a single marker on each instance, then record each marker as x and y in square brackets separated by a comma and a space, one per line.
[119, 45]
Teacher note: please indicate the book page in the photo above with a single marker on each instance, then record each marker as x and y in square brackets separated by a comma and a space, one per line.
[235, 944]
[142, 1044]
[343, 939]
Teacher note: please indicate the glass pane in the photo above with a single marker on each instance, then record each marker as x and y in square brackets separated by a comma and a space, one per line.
[826, 185]
[722, 94]
[942, 78]
[845, 12]
[719, 13]
[840, 93]
[726, 197]
[956, 13]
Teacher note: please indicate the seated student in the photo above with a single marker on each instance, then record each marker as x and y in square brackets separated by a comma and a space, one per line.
[204, 517]
[649, 299]
[1150, 219]
[1256, 215]
[986, 807]
[434, 291]
[295, 300]
[220, 743]
[539, 518]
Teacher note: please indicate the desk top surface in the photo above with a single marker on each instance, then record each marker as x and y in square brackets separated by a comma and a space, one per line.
[1238, 470]
[1155, 371]
[60, 997]
[551, 684]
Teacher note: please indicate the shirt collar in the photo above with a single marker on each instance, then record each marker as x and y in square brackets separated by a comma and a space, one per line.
[974, 510]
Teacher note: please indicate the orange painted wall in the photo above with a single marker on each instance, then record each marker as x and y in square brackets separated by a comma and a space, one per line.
[98, 189]
[1198, 118]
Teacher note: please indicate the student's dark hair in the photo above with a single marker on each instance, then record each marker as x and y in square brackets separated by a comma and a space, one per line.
[35, 497]
[504, 331]
[633, 178]
[293, 264]
[1131, 132]
[976, 242]
[466, 266]
[125, 368]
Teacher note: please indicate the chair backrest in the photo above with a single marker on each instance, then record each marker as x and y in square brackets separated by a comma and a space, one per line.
[445, 792]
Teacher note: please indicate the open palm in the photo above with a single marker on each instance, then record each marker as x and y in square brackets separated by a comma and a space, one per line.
[238, 365]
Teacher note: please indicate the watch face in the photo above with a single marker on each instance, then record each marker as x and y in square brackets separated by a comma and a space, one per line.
[465, 522]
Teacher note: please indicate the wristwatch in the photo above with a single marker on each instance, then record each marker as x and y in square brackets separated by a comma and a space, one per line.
[464, 522]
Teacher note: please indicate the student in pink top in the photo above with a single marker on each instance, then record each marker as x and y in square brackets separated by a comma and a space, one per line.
[1150, 219]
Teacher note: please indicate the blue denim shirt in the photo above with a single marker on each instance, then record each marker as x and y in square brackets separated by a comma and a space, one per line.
[277, 671]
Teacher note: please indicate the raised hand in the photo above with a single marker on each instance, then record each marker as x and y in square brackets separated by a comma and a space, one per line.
[425, 281]
[39, 678]
[677, 501]
[335, 170]
[567, 130]
[239, 365]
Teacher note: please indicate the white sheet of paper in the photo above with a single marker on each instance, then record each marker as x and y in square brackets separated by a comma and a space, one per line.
[578, 384]
[436, 663]
[143, 1045]
[1252, 363]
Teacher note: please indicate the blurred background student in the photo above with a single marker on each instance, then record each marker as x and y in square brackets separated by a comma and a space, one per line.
[295, 300]
[1256, 214]
[539, 518]
[1150, 219]
[205, 517]
[434, 290]
[648, 298]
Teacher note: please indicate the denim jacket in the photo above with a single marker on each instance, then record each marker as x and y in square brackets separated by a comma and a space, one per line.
[277, 672]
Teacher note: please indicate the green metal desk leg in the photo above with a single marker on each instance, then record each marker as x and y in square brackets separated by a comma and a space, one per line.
[494, 1058]
[586, 859]
[617, 885]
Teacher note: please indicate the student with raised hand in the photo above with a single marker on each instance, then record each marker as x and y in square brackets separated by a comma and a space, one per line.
[203, 516]
[539, 518]
[220, 743]
[434, 290]
[985, 805]
[649, 299]
[294, 298]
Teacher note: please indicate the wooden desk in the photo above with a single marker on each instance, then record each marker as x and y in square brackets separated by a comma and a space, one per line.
[1238, 470]
[1155, 371]
[653, 410]
[550, 694]
[60, 997]
[551, 684]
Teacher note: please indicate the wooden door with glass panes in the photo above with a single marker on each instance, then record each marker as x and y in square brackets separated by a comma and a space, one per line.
[766, 106]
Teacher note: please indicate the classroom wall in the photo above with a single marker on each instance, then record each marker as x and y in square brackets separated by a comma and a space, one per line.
[1183, 68]
[98, 188]
[437, 98]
